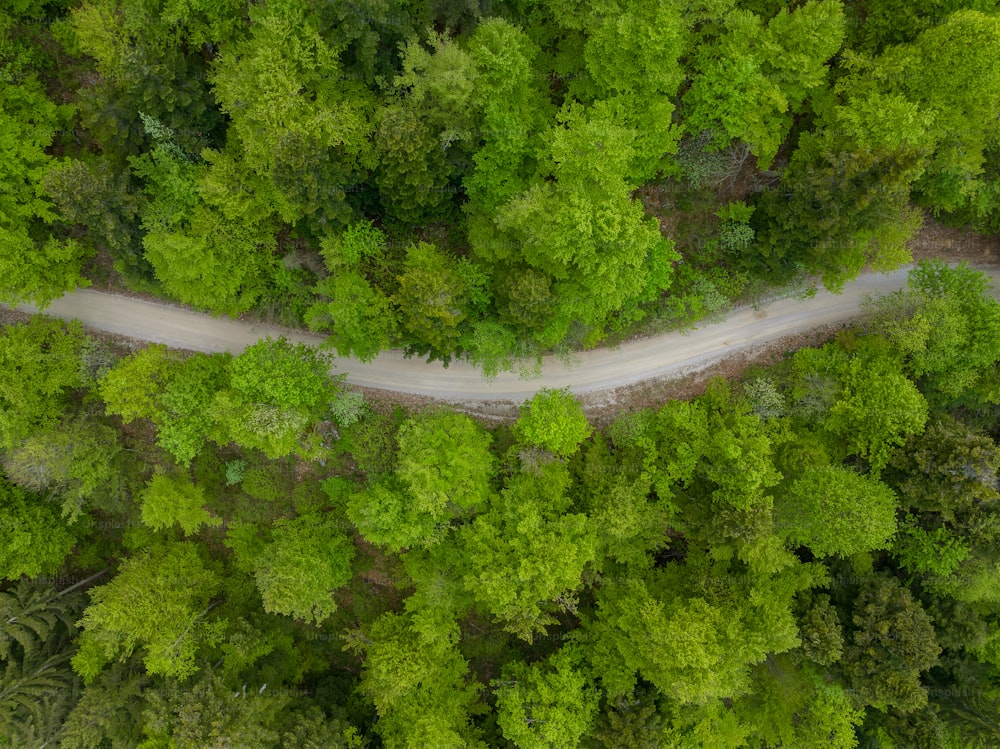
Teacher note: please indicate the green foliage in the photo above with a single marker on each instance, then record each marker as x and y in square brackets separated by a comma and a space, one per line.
[755, 77]
[735, 233]
[130, 387]
[34, 265]
[359, 243]
[421, 692]
[39, 367]
[951, 72]
[819, 629]
[618, 261]
[553, 420]
[616, 493]
[307, 558]
[207, 711]
[795, 706]
[169, 500]
[460, 183]
[201, 256]
[371, 441]
[514, 112]
[278, 392]
[426, 132]
[431, 300]
[893, 642]
[844, 197]
[764, 398]
[175, 394]
[546, 705]
[833, 510]
[725, 446]
[936, 553]
[692, 632]
[158, 602]
[526, 556]
[235, 471]
[33, 538]
[878, 408]
[110, 710]
[96, 195]
[183, 415]
[77, 460]
[37, 687]
[444, 460]
[947, 325]
[214, 265]
[359, 318]
[387, 514]
[301, 124]
[348, 408]
[279, 372]
[949, 470]
[700, 165]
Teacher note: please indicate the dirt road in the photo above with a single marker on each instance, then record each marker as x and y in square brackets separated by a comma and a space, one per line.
[664, 355]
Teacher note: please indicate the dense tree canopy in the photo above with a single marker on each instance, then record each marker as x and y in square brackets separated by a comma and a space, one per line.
[239, 551]
[808, 558]
[539, 175]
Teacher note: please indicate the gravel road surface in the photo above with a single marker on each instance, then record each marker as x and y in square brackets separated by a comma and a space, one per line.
[599, 369]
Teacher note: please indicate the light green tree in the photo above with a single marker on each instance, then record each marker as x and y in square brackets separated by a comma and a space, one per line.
[546, 705]
[387, 514]
[157, 603]
[358, 317]
[553, 420]
[444, 459]
[877, 410]
[278, 392]
[300, 124]
[34, 265]
[307, 558]
[174, 392]
[755, 77]
[792, 705]
[39, 368]
[174, 499]
[834, 510]
[422, 693]
[526, 556]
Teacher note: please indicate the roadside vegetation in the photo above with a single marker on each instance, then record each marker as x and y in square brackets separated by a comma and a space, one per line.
[239, 551]
[491, 181]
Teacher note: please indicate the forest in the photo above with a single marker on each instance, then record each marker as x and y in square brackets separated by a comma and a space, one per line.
[243, 552]
[479, 179]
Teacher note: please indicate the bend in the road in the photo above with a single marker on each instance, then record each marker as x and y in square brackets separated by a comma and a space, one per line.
[598, 369]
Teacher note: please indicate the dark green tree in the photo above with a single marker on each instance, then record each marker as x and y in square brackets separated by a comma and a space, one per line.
[37, 686]
[891, 644]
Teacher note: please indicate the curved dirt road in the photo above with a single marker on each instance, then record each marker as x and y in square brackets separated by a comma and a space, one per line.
[599, 369]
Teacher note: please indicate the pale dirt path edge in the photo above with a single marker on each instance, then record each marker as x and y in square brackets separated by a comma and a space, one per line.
[669, 354]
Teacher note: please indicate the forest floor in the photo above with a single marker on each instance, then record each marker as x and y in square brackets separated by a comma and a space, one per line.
[639, 372]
